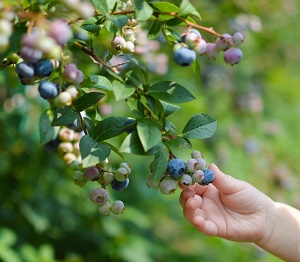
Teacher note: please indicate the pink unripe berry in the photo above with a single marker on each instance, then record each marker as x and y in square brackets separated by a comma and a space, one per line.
[118, 43]
[60, 32]
[223, 42]
[238, 38]
[191, 39]
[233, 56]
[211, 52]
[30, 54]
[118, 207]
[200, 47]
[92, 173]
[99, 196]
[168, 186]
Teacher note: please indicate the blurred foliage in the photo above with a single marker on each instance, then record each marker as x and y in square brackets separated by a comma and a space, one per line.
[45, 217]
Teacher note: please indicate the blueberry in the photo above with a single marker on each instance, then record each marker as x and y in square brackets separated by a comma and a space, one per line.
[43, 67]
[119, 185]
[25, 70]
[233, 56]
[208, 176]
[194, 31]
[129, 125]
[47, 89]
[176, 168]
[184, 56]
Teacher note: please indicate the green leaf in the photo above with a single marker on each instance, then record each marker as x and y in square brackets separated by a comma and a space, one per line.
[177, 143]
[200, 126]
[143, 10]
[101, 82]
[172, 35]
[90, 25]
[118, 20]
[92, 152]
[122, 91]
[108, 128]
[47, 131]
[90, 126]
[149, 133]
[64, 116]
[138, 65]
[136, 107]
[170, 92]
[160, 163]
[186, 8]
[165, 7]
[87, 100]
[196, 68]
[169, 108]
[101, 5]
[154, 29]
[133, 145]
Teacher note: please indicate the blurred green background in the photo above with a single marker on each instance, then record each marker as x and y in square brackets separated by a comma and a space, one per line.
[45, 217]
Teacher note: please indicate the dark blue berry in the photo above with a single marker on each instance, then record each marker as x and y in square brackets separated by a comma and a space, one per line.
[176, 168]
[129, 125]
[25, 70]
[119, 185]
[184, 56]
[47, 89]
[208, 176]
[43, 67]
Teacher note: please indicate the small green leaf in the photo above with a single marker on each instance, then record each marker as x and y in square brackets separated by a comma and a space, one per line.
[149, 133]
[160, 163]
[122, 91]
[64, 116]
[154, 29]
[101, 82]
[47, 131]
[101, 6]
[143, 10]
[196, 68]
[169, 108]
[92, 152]
[177, 143]
[136, 107]
[87, 100]
[165, 7]
[170, 92]
[186, 8]
[200, 126]
[133, 145]
[90, 25]
[108, 128]
[118, 20]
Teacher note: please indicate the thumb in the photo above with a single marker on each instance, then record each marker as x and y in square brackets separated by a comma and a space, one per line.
[226, 184]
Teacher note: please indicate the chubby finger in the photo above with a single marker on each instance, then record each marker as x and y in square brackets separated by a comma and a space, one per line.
[205, 226]
[192, 208]
[187, 193]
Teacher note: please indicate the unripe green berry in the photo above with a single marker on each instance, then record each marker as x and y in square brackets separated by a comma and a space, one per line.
[68, 158]
[201, 163]
[118, 207]
[108, 177]
[198, 177]
[65, 147]
[66, 134]
[126, 166]
[63, 99]
[186, 180]
[74, 165]
[105, 209]
[121, 174]
[191, 165]
[168, 186]
[151, 182]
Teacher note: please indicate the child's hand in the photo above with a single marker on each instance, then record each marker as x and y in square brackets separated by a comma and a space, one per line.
[228, 208]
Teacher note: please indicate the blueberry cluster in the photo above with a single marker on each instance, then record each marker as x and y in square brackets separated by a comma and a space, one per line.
[194, 170]
[117, 179]
[6, 27]
[192, 44]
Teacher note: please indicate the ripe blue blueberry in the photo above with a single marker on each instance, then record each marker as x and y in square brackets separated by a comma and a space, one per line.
[43, 67]
[209, 176]
[25, 70]
[176, 168]
[129, 125]
[119, 185]
[47, 89]
[184, 56]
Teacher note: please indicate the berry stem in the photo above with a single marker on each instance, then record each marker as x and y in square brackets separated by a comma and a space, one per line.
[95, 58]
[83, 124]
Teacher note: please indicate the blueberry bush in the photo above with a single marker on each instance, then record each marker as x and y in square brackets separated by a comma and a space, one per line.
[104, 85]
